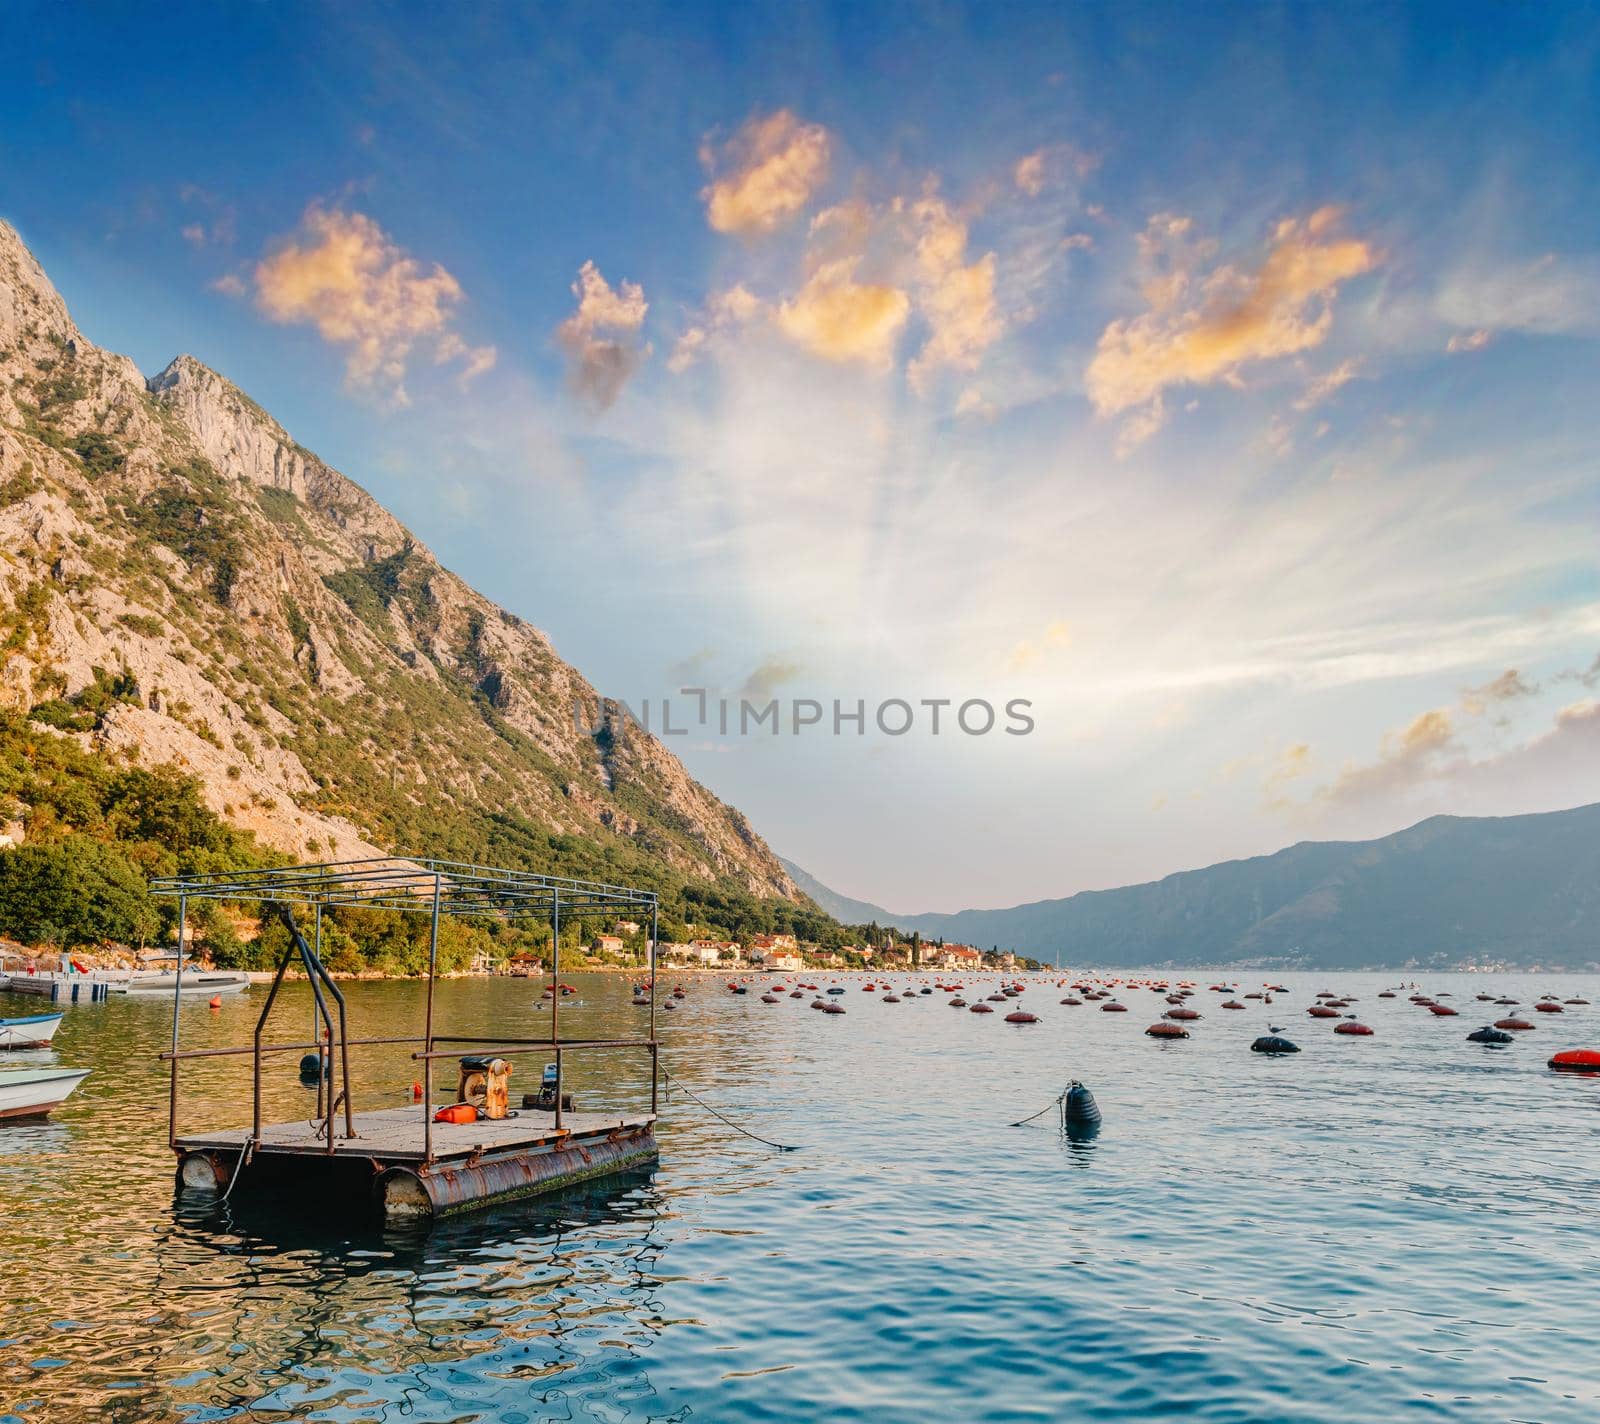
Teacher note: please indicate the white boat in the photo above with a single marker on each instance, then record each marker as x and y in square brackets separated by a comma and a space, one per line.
[35, 1092]
[157, 982]
[33, 1031]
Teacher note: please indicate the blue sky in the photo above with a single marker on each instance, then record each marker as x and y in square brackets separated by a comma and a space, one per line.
[1220, 379]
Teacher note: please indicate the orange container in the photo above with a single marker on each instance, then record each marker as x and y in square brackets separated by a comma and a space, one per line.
[457, 1112]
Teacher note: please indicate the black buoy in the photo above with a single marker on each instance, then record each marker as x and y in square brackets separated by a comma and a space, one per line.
[1080, 1114]
[1274, 1043]
[312, 1067]
[1489, 1035]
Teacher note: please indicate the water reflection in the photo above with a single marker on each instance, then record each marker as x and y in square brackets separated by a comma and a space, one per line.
[416, 1304]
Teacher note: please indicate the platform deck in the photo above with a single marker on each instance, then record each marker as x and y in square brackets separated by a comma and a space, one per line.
[395, 1135]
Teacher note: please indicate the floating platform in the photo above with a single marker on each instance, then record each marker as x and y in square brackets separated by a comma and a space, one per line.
[58, 988]
[384, 1165]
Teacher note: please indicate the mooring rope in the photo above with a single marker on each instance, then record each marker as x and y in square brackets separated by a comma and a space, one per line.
[1042, 1111]
[238, 1168]
[765, 1141]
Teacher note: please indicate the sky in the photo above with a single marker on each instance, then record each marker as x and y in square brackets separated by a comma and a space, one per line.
[1218, 381]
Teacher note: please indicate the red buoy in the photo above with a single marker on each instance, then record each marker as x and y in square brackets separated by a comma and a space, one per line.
[1181, 1014]
[1318, 1011]
[1512, 1024]
[1444, 1011]
[981, 1009]
[1357, 1030]
[216, 1002]
[1113, 1008]
[1548, 1006]
[1020, 1017]
[1577, 1060]
[1167, 1030]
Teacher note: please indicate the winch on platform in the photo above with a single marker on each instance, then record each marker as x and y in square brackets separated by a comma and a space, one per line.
[485, 1084]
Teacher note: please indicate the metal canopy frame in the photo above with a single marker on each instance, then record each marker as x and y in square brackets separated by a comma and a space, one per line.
[406, 884]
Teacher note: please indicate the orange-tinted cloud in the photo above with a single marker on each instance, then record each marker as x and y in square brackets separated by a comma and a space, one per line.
[724, 311]
[765, 174]
[344, 276]
[1203, 326]
[1407, 757]
[1049, 167]
[601, 336]
[840, 319]
[955, 296]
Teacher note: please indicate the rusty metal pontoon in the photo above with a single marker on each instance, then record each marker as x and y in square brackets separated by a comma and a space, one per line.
[398, 1157]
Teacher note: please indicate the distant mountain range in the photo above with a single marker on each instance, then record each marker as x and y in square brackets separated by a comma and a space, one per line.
[1523, 891]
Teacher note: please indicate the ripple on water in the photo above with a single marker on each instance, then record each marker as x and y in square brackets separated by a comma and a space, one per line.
[1392, 1228]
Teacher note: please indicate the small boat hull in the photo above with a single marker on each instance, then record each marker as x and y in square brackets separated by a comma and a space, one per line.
[35, 1093]
[141, 986]
[33, 1031]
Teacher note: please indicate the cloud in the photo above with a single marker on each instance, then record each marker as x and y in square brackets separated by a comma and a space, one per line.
[769, 171]
[342, 275]
[1029, 651]
[1325, 385]
[956, 297]
[1047, 167]
[1202, 325]
[221, 225]
[601, 337]
[839, 319]
[1560, 766]
[1293, 763]
[1408, 756]
[973, 402]
[724, 311]
[693, 668]
[1547, 297]
[1508, 687]
[229, 284]
[771, 675]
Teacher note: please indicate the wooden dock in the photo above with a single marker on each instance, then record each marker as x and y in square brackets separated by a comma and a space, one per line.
[385, 1163]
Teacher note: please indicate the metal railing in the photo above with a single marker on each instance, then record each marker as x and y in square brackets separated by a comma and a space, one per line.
[414, 885]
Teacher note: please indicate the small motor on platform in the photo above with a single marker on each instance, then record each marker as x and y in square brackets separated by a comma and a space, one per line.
[545, 1099]
[485, 1084]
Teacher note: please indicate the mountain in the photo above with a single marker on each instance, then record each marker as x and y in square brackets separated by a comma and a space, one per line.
[841, 907]
[182, 583]
[1518, 890]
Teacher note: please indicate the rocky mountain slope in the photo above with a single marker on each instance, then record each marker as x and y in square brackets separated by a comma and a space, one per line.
[1518, 890]
[181, 582]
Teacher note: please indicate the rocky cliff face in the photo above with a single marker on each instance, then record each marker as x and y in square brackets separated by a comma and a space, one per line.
[183, 582]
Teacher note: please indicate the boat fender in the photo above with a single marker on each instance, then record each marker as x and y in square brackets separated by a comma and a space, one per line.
[1079, 1111]
[1274, 1043]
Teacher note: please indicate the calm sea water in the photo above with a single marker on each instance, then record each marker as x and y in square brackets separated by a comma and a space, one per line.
[1401, 1227]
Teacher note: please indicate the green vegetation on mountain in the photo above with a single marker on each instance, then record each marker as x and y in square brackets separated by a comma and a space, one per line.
[185, 586]
[99, 827]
